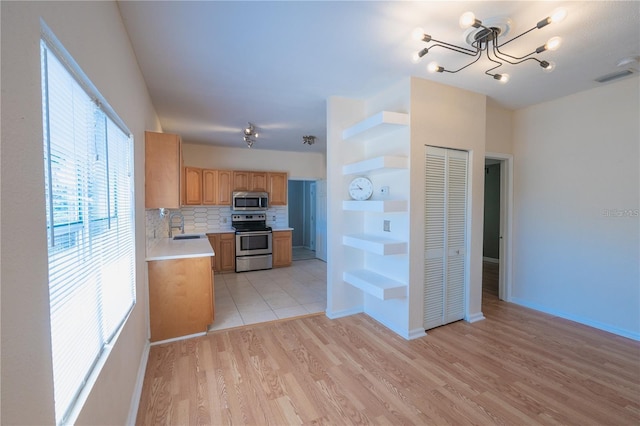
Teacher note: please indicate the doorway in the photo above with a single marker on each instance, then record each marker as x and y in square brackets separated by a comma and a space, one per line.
[498, 206]
[302, 218]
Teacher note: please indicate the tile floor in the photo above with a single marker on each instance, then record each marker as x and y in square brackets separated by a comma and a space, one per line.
[260, 296]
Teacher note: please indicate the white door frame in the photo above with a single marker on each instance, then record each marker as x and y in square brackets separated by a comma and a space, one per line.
[506, 223]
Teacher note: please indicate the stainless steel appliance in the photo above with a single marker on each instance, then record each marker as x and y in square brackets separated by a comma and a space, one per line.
[253, 242]
[249, 201]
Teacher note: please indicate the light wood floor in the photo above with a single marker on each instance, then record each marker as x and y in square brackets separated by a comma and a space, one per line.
[517, 367]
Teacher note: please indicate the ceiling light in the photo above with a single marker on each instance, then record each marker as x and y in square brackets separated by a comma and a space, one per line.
[486, 38]
[250, 135]
[309, 139]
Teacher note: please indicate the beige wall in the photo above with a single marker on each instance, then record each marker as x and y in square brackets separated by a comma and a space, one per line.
[437, 114]
[300, 165]
[499, 132]
[577, 195]
[94, 35]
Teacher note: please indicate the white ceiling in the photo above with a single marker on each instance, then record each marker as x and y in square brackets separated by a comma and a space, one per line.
[213, 66]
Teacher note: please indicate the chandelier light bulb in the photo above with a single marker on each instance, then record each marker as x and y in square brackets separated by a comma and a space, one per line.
[502, 78]
[434, 67]
[558, 15]
[467, 19]
[553, 43]
[417, 33]
[548, 66]
[415, 58]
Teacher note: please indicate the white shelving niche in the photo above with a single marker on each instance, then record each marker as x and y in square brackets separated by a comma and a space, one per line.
[369, 281]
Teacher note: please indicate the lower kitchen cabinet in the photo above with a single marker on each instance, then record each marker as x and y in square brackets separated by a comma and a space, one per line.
[224, 246]
[180, 297]
[281, 243]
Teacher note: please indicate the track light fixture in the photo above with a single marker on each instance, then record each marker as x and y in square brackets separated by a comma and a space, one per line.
[250, 135]
[485, 37]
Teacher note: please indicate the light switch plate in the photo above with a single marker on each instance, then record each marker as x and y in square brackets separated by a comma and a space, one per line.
[386, 226]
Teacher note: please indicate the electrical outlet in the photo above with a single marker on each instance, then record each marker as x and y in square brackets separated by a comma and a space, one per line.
[386, 226]
[224, 220]
[273, 218]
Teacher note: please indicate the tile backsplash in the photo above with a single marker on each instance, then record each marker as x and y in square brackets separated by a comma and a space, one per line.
[206, 219]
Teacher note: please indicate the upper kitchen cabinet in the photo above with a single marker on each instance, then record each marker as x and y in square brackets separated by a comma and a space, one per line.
[209, 187]
[163, 161]
[225, 185]
[193, 186]
[277, 188]
[249, 181]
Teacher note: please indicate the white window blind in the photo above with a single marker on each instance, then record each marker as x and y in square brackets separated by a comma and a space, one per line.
[89, 208]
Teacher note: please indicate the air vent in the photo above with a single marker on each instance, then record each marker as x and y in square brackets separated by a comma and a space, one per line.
[615, 75]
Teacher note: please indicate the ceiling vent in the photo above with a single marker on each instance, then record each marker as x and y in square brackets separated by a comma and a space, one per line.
[615, 75]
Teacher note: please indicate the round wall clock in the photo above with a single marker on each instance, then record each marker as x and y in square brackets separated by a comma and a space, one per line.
[360, 189]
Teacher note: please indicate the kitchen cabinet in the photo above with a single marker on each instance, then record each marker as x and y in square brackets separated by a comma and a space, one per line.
[281, 242]
[193, 186]
[277, 188]
[250, 181]
[163, 163]
[209, 187]
[225, 185]
[224, 246]
[180, 297]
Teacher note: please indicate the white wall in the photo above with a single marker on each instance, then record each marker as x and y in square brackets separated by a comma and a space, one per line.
[300, 165]
[94, 35]
[575, 158]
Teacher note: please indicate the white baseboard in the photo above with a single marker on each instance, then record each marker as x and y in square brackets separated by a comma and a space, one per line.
[175, 339]
[585, 321]
[475, 317]
[137, 390]
[490, 260]
[344, 313]
[416, 333]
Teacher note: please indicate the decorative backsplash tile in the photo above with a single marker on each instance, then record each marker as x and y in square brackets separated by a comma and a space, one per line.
[202, 220]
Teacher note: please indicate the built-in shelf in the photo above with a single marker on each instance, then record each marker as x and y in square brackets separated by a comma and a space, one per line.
[376, 165]
[376, 125]
[375, 284]
[374, 244]
[376, 206]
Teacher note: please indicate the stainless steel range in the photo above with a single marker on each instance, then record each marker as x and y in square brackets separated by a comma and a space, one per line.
[253, 241]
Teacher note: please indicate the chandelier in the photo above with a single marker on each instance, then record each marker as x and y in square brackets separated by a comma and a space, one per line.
[308, 139]
[250, 135]
[486, 38]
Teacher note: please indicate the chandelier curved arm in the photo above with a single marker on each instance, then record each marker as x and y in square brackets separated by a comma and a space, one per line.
[479, 54]
[453, 47]
[494, 61]
[519, 60]
[516, 37]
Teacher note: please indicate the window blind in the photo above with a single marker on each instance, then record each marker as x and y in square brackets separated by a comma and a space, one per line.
[89, 206]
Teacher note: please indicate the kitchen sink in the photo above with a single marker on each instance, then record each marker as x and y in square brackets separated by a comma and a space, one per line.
[188, 237]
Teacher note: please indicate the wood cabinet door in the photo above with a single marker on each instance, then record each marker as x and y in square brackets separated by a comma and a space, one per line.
[282, 255]
[162, 170]
[241, 181]
[209, 187]
[193, 186]
[227, 252]
[225, 185]
[277, 188]
[258, 181]
[214, 240]
[180, 297]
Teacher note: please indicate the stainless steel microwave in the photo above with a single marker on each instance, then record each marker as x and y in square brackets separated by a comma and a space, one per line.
[250, 201]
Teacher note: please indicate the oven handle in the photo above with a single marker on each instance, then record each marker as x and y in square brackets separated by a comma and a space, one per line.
[254, 233]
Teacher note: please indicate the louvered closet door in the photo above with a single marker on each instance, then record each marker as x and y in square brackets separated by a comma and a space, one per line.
[445, 236]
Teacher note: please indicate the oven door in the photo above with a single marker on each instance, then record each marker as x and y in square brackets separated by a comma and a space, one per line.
[249, 243]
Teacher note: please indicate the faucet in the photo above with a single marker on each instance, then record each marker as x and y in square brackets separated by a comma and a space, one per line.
[180, 226]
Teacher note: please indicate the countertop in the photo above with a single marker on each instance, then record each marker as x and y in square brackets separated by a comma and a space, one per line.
[167, 248]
